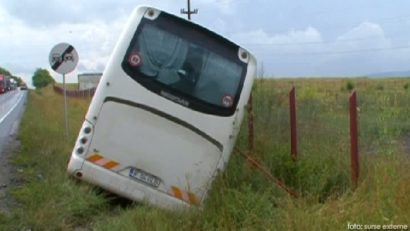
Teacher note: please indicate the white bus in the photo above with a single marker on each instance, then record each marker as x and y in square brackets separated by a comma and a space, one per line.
[166, 113]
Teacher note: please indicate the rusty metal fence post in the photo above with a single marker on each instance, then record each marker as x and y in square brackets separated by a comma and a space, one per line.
[293, 130]
[354, 149]
[250, 125]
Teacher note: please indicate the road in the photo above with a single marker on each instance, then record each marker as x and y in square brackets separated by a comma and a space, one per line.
[12, 106]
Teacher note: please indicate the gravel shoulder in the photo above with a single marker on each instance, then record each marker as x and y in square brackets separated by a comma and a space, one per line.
[7, 175]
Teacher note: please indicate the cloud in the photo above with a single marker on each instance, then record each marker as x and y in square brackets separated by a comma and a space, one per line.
[30, 28]
[39, 14]
[28, 47]
[361, 50]
[292, 37]
[364, 30]
[279, 52]
[225, 7]
[367, 35]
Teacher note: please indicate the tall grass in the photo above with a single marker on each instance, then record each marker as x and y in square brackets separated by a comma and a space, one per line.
[241, 197]
[48, 198]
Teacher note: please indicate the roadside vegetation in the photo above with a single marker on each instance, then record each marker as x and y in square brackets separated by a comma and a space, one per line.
[42, 78]
[241, 198]
[4, 71]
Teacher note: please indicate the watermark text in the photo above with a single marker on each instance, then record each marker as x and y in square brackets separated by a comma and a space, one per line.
[354, 226]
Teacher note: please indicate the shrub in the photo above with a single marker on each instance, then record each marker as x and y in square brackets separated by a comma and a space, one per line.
[349, 85]
[42, 78]
[380, 87]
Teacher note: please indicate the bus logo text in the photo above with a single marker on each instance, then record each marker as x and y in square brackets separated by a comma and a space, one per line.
[175, 98]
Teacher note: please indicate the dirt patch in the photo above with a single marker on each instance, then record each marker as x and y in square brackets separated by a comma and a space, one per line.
[7, 175]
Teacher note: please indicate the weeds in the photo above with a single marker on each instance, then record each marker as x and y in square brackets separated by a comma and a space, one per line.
[349, 85]
[241, 198]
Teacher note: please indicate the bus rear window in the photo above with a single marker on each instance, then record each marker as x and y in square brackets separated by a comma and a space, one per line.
[191, 66]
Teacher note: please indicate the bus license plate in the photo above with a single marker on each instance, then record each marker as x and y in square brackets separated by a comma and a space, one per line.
[144, 177]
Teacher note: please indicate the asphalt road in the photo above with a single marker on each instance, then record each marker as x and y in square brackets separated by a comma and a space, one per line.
[11, 109]
[12, 106]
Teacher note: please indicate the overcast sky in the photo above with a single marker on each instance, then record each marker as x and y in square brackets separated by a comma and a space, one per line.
[291, 38]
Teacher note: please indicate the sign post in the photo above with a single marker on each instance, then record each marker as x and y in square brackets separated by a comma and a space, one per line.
[63, 59]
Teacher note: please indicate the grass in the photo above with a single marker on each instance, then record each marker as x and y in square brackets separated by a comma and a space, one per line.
[241, 198]
[69, 86]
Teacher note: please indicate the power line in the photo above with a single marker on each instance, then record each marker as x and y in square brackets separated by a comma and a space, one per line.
[342, 52]
[226, 1]
[339, 26]
[321, 42]
[189, 12]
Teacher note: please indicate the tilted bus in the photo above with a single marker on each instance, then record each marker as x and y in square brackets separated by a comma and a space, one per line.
[165, 116]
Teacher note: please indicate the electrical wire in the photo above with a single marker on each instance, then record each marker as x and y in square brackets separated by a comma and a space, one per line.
[339, 52]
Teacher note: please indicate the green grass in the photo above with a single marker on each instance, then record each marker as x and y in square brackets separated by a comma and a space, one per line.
[69, 86]
[241, 198]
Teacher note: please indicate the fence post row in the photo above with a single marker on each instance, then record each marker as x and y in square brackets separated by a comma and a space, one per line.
[354, 150]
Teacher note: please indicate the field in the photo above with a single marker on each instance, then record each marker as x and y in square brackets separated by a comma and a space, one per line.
[241, 198]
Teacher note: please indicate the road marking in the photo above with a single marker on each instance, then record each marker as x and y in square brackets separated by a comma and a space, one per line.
[12, 108]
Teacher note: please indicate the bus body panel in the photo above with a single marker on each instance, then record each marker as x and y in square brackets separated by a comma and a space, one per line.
[126, 187]
[131, 127]
[155, 145]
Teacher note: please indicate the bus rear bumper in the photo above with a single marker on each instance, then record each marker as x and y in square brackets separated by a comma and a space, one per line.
[122, 185]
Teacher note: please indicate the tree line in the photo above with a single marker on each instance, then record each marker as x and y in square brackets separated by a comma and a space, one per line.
[5, 72]
[41, 77]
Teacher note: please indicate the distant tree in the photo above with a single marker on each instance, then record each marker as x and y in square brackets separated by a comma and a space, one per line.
[42, 78]
[17, 79]
[349, 85]
[4, 72]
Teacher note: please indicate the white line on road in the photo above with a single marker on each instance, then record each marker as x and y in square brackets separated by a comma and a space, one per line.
[15, 105]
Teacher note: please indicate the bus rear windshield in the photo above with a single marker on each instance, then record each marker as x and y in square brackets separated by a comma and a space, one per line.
[186, 64]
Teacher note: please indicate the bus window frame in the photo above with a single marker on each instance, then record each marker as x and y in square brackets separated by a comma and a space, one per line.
[220, 46]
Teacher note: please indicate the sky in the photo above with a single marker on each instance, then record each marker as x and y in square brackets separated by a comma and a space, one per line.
[316, 38]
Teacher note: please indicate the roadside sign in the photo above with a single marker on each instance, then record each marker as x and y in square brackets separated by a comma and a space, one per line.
[63, 58]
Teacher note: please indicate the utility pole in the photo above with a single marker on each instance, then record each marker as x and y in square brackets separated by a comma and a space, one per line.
[189, 12]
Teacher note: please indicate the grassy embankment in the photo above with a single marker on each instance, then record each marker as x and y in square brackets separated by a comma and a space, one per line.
[241, 198]
[69, 86]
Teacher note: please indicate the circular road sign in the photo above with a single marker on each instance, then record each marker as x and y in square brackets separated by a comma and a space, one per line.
[63, 58]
